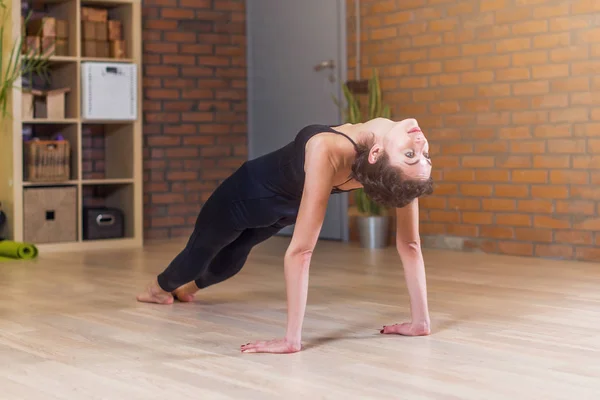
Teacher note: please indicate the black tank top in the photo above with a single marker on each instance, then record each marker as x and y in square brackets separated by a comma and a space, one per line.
[282, 171]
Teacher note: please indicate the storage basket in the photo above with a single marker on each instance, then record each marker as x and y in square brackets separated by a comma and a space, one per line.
[50, 214]
[47, 160]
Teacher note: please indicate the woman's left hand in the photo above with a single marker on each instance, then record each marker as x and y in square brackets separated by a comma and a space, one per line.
[407, 329]
[279, 346]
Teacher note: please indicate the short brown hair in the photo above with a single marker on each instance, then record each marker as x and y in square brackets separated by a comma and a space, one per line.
[385, 184]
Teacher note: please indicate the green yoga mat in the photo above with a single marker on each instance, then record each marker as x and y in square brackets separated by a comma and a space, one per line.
[11, 251]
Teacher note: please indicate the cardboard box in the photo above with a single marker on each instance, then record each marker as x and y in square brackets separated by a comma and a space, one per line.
[102, 49]
[115, 30]
[88, 30]
[56, 103]
[89, 48]
[44, 27]
[39, 104]
[61, 47]
[91, 30]
[48, 46]
[94, 14]
[101, 31]
[62, 29]
[27, 103]
[117, 49]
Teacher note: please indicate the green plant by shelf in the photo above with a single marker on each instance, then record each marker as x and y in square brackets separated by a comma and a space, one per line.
[17, 64]
[354, 115]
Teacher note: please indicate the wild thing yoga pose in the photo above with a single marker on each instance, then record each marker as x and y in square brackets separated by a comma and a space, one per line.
[292, 185]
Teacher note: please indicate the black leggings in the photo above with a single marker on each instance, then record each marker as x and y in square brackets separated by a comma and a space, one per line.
[238, 215]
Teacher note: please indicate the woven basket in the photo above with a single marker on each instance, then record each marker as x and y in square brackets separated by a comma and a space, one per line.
[47, 161]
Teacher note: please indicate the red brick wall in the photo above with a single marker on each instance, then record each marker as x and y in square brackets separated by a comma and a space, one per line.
[507, 93]
[92, 159]
[194, 105]
[93, 164]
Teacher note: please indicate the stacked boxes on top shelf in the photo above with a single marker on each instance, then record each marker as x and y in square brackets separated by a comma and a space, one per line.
[101, 36]
[46, 35]
[46, 29]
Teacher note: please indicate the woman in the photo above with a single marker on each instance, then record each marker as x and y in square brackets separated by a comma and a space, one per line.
[388, 159]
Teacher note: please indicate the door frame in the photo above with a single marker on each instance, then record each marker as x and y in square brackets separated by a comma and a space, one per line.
[342, 69]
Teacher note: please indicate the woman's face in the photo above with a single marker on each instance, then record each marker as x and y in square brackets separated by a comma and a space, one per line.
[407, 148]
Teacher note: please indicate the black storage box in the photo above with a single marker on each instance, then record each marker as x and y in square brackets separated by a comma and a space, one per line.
[103, 223]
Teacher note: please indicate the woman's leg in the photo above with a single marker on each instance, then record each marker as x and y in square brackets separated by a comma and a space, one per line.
[236, 206]
[216, 227]
[228, 262]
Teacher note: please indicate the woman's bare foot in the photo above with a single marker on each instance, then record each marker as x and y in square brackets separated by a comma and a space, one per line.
[186, 292]
[154, 294]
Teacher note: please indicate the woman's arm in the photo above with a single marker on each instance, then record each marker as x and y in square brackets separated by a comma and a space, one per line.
[315, 196]
[408, 244]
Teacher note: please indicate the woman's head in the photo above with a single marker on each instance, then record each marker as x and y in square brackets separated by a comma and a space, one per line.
[394, 168]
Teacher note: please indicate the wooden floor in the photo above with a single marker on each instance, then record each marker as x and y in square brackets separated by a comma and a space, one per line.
[504, 327]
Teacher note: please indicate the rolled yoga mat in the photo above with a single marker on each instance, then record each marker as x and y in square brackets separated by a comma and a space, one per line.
[11, 251]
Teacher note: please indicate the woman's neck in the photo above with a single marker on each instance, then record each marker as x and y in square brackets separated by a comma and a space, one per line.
[367, 131]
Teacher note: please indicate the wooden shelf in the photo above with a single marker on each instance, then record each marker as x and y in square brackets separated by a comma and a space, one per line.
[107, 60]
[50, 121]
[83, 182]
[75, 120]
[105, 121]
[62, 59]
[41, 184]
[106, 181]
[115, 145]
[106, 3]
[74, 59]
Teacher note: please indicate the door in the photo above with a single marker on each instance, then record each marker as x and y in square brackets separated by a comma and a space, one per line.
[296, 57]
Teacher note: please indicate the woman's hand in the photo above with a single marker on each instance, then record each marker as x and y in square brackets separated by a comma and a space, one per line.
[278, 346]
[408, 329]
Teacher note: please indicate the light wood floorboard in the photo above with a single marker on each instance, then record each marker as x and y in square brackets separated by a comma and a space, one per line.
[504, 327]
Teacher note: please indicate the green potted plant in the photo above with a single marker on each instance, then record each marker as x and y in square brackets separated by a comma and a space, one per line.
[15, 63]
[373, 220]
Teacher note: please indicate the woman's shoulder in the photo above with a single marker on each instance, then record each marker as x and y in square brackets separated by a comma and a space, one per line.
[309, 131]
[319, 145]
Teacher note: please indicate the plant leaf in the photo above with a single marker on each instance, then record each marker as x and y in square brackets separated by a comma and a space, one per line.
[18, 64]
